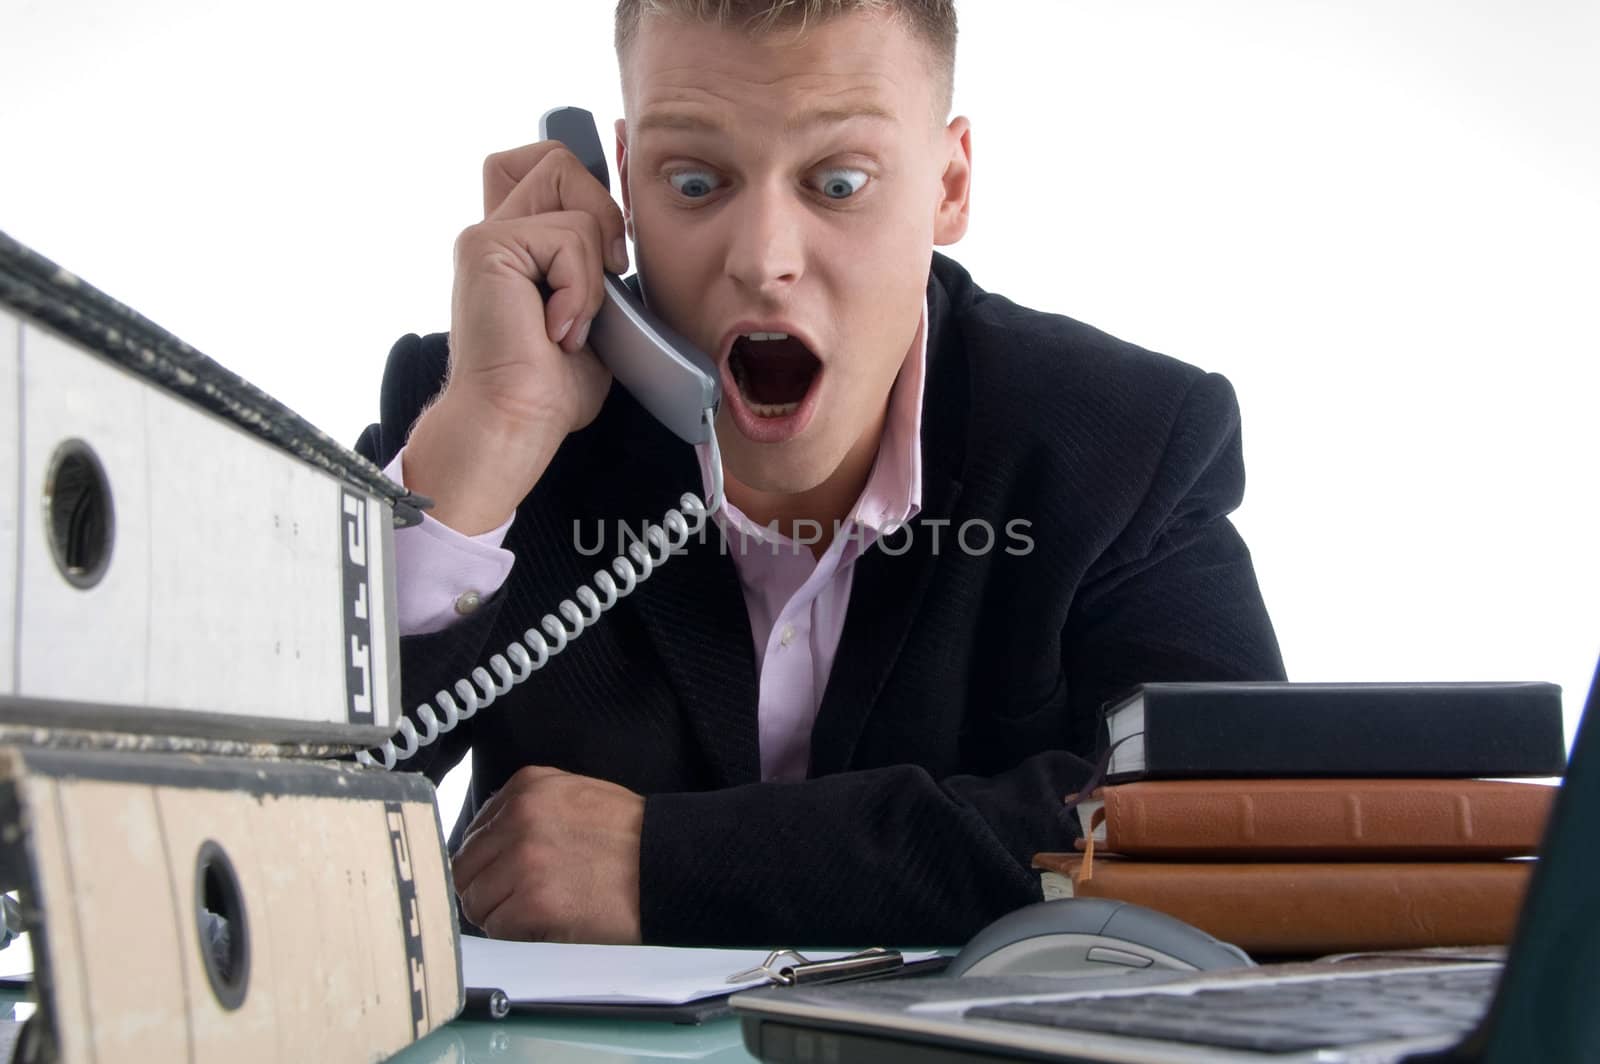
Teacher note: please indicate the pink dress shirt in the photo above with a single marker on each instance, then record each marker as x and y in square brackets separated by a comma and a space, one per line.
[796, 601]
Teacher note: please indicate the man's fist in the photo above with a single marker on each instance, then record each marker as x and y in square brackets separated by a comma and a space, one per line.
[553, 856]
[521, 376]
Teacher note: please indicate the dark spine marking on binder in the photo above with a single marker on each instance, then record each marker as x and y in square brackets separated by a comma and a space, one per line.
[410, 916]
[357, 608]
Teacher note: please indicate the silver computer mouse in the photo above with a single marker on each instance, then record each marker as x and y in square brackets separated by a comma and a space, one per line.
[1091, 936]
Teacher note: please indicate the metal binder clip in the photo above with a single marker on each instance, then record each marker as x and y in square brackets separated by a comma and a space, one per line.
[787, 967]
[11, 923]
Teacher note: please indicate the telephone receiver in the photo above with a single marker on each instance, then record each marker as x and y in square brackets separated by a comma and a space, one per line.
[669, 376]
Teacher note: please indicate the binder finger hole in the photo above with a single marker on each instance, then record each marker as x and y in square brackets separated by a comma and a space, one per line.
[224, 932]
[78, 514]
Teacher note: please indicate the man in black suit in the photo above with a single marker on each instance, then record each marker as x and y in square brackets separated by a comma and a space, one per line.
[955, 526]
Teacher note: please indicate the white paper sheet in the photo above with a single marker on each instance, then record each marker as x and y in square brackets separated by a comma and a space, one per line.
[614, 975]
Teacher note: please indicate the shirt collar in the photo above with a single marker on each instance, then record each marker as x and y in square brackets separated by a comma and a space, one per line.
[893, 492]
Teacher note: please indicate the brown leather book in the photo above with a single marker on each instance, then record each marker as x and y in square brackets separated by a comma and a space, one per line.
[1303, 908]
[1319, 820]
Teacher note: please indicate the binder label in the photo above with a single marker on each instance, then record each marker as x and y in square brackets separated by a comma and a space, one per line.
[354, 551]
[410, 916]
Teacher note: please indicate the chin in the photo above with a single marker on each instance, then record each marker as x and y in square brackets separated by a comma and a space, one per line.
[776, 469]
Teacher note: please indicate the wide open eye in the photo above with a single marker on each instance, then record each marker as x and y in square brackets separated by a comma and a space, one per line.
[841, 183]
[694, 184]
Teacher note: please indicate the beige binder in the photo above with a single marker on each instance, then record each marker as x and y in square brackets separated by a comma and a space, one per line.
[331, 881]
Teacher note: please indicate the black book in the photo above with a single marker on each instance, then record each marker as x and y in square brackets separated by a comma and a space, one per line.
[1274, 729]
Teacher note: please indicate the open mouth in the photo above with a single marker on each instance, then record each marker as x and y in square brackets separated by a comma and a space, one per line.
[773, 371]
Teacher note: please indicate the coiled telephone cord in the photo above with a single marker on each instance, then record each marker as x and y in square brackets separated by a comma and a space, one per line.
[523, 658]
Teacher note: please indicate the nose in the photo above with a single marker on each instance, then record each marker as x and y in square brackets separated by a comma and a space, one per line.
[766, 248]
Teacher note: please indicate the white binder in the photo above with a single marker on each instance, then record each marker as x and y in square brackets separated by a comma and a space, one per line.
[180, 555]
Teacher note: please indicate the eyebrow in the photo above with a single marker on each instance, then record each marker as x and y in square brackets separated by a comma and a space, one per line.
[694, 123]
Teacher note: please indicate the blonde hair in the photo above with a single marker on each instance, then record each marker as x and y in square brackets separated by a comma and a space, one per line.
[934, 21]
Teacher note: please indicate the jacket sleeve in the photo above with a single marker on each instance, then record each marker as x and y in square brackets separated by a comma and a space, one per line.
[894, 856]
[433, 662]
[1175, 597]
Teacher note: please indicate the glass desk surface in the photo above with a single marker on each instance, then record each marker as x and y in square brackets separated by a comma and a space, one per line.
[553, 1041]
[517, 1039]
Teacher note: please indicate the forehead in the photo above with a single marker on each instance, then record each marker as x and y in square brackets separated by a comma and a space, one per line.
[680, 73]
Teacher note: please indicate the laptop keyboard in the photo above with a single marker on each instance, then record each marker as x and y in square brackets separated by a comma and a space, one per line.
[1282, 1018]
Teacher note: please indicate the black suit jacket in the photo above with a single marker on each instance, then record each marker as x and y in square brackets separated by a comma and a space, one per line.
[964, 698]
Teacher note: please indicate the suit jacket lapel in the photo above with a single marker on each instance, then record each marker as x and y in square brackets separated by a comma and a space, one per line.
[692, 608]
[888, 589]
[694, 611]
[884, 599]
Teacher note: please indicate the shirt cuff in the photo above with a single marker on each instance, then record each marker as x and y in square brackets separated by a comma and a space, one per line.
[442, 576]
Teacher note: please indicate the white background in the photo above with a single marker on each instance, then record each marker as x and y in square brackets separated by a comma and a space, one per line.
[1379, 218]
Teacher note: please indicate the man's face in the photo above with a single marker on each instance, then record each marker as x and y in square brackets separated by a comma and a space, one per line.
[795, 188]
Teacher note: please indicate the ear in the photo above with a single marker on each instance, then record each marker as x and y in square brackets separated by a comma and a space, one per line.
[622, 177]
[955, 186]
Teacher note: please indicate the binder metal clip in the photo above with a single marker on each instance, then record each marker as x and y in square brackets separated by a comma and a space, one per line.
[787, 967]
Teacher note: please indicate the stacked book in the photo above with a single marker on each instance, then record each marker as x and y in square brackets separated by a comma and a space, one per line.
[1297, 819]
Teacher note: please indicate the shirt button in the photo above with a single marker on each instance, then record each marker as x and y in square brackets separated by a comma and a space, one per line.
[788, 635]
[467, 603]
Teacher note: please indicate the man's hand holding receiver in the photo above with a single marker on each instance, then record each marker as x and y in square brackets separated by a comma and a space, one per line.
[521, 376]
[553, 856]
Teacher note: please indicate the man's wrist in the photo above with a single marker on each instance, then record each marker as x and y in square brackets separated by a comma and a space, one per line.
[475, 465]
[440, 575]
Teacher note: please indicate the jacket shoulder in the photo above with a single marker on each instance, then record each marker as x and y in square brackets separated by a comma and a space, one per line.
[1050, 377]
[1124, 437]
[1032, 348]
